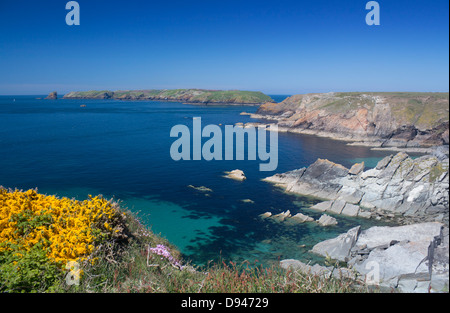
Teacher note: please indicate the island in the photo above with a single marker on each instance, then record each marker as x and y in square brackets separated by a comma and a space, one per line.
[52, 96]
[193, 96]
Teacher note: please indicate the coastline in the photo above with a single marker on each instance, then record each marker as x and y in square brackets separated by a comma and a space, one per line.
[375, 143]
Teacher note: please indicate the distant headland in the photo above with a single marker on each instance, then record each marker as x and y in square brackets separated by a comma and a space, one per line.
[194, 96]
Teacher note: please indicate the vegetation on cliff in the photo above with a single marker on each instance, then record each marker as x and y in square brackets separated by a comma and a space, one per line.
[51, 244]
[184, 95]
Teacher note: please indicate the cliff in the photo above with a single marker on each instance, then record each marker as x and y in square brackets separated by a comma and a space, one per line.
[198, 96]
[374, 119]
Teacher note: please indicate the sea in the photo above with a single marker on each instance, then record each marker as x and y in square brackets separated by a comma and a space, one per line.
[121, 150]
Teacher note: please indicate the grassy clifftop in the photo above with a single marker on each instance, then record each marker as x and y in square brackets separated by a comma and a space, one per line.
[422, 109]
[184, 95]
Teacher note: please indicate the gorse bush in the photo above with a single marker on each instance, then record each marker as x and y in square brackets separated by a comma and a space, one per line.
[40, 234]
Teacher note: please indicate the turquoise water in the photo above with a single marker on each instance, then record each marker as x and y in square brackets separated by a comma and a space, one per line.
[121, 149]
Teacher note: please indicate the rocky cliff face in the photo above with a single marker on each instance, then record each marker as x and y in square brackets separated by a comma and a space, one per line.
[399, 188]
[411, 258]
[378, 119]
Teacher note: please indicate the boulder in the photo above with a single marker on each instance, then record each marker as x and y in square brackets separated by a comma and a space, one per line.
[301, 218]
[356, 169]
[338, 248]
[326, 220]
[265, 215]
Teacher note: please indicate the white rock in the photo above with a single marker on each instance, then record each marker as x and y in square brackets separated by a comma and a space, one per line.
[236, 174]
[301, 218]
[326, 220]
[382, 235]
[350, 210]
[338, 248]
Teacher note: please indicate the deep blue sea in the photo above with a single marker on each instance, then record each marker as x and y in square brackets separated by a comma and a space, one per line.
[121, 149]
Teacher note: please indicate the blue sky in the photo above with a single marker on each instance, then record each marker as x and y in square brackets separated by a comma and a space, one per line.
[278, 47]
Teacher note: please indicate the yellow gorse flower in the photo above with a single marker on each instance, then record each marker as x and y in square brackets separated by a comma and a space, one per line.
[67, 229]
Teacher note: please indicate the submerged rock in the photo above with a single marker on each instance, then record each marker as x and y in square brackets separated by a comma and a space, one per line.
[201, 188]
[282, 216]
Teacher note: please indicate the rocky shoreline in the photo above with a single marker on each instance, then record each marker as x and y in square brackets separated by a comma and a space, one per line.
[374, 143]
[412, 193]
[412, 258]
[400, 188]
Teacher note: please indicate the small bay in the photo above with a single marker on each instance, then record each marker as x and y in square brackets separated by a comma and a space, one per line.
[121, 149]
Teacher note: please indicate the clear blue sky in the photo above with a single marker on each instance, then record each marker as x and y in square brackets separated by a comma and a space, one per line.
[278, 46]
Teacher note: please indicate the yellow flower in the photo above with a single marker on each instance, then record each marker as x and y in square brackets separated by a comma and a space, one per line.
[64, 227]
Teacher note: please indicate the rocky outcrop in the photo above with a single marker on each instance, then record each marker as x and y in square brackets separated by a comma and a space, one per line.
[407, 120]
[236, 175]
[401, 188]
[411, 258]
[194, 96]
[317, 270]
[326, 220]
[299, 218]
[201, 188]
[52, 96]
